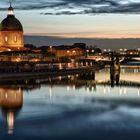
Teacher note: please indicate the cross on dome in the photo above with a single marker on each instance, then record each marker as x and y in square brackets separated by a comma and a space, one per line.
[10, 10]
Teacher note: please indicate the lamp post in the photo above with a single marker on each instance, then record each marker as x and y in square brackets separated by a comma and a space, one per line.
[87, 52]
[92, 51]
[51, 50]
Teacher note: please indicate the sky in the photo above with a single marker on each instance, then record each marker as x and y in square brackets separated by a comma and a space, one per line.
[77, 18]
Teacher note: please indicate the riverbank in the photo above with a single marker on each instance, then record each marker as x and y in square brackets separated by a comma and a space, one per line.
[126, 66]
[49, 73]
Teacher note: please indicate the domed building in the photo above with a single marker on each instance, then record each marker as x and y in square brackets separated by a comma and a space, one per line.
[11, 32]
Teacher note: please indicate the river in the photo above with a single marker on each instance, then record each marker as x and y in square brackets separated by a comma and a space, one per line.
[95, 105]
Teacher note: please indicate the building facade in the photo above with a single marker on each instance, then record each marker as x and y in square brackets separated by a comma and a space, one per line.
[75, 50]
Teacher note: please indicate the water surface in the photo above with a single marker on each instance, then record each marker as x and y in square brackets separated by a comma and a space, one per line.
[92, 105]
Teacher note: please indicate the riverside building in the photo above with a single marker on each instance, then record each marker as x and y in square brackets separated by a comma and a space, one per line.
[11, 33]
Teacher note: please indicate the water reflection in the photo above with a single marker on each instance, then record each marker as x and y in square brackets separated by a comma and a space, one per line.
[11, 101]
[114, 78]
[46, 94]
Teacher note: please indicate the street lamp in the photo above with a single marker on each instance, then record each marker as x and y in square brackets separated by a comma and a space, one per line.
[74, 51]
[68, 51]
[51, 50]
[87, 51]
[109, 50]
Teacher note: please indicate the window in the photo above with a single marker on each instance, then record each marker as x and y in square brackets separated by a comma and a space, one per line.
[6, 38]
[15, 38]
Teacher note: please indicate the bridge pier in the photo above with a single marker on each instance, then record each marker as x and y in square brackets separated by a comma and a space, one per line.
[115, 62]
[115, 78]
[114, 69]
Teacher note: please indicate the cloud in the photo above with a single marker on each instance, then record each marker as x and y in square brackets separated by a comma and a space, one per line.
[74, 7]
[64, 13]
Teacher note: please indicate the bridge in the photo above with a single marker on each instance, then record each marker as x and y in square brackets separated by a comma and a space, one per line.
[107, 56]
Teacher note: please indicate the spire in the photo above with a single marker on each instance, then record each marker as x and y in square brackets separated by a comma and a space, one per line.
[10, 4]
[10, 10]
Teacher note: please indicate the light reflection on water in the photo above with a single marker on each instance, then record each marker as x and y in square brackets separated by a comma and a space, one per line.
[68, 105]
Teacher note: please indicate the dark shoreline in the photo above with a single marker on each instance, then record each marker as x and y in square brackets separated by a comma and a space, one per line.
[49, 73]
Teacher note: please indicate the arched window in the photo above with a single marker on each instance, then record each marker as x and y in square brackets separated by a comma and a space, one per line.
[15, 38]
[6, 39]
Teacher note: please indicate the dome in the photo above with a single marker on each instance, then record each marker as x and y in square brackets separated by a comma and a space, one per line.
[10, 23]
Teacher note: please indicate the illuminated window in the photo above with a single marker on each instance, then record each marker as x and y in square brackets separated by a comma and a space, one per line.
[15, 95]
[6, 38]
[15, 38]
[6, 96]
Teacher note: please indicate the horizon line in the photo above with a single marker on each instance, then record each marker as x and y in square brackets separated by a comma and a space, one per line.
[64, 37]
